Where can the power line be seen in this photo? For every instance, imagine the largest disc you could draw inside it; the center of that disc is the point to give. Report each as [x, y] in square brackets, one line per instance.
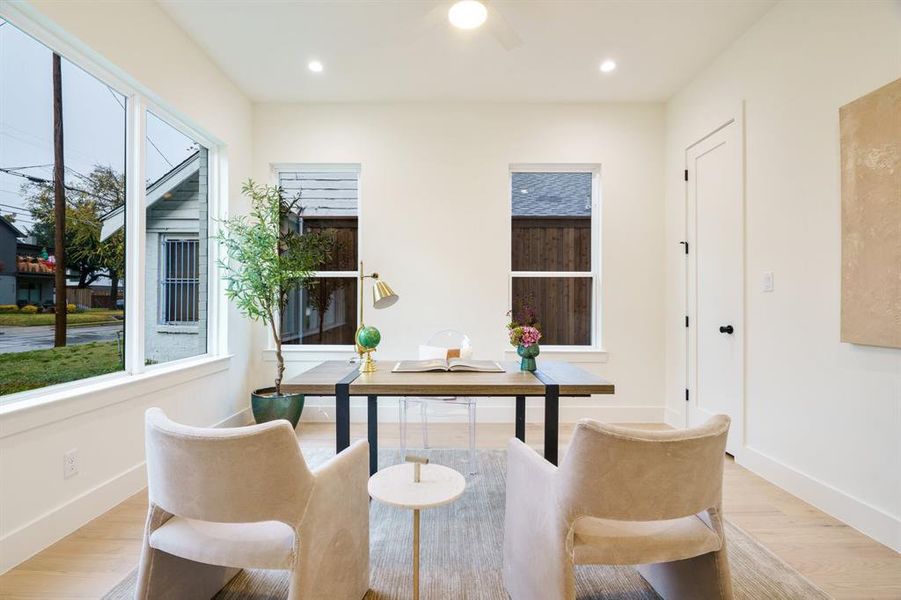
[30, 167]
[39, 180]
[149, 139]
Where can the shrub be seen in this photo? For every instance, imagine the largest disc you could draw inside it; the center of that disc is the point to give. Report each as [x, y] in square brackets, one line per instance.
[9, 308]
[29, 309]
[70, 308]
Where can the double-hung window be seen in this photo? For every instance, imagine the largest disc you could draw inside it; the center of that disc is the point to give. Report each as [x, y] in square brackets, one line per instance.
[555, 253]
[323, 310]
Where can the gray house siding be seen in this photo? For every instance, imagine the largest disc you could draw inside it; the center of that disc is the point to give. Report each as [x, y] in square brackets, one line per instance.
[8, 236]
[181, 214]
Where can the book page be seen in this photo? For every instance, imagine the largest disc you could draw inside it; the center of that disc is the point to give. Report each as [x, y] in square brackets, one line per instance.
[420, 366]
[481, 366]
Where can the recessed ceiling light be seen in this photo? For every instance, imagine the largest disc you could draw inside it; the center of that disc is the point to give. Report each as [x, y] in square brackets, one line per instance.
[608, 65]
[315, 66]
[467, 14]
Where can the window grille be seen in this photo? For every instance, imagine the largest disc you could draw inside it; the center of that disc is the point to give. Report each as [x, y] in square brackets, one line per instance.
[180, 283]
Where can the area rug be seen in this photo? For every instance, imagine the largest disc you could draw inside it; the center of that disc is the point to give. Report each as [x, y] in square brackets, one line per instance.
[461, 551]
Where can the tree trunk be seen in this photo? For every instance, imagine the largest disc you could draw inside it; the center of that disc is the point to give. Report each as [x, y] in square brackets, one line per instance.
[322, 309]
[279, 359]
[113, 287]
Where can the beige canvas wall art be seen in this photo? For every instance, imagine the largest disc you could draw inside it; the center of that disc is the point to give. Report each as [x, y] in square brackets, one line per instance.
[871, 218]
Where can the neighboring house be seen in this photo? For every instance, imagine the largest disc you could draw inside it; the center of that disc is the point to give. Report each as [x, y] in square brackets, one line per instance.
[175, 268]
[23, 277]
[34, 277]
[9, 235]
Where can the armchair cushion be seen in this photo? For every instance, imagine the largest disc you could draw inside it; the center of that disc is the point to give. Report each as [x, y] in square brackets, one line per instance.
[265, 545]
[610, 542]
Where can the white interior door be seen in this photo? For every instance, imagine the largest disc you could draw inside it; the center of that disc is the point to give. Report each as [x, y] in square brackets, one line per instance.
[715, 217]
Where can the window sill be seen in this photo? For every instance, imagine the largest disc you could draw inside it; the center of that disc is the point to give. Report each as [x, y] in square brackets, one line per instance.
[35, 408]
[177, 329]
[312, 353]
[573, 355]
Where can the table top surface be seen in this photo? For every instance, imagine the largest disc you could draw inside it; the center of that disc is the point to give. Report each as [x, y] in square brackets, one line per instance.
[395, 486]
[572, 381]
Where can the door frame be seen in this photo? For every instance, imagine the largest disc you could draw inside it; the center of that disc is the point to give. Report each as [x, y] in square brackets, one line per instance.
[690, 290]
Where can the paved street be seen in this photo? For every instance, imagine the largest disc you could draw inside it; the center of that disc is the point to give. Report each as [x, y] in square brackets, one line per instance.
[22, 339]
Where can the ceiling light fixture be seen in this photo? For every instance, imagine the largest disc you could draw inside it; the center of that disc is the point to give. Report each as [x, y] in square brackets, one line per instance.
[608, 66]
[315, 66]
[467, 14]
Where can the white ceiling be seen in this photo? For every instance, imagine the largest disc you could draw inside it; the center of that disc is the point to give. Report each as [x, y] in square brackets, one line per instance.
[406, 50]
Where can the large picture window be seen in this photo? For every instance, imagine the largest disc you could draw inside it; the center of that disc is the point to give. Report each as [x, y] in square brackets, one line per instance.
[554, 255]
[38, 345]
[323, 311]
[81, 184]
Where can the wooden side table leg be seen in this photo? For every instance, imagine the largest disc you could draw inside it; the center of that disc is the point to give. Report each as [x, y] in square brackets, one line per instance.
[415, 554]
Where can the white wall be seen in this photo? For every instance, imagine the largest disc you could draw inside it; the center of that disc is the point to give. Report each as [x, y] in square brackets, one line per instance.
[823, 418]
[37, 506]
[435, 214]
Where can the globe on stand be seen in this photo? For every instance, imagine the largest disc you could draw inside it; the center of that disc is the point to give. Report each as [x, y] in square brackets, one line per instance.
[367, 339]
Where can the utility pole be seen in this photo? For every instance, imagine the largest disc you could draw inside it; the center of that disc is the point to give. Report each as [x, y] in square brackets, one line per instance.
[59, 206]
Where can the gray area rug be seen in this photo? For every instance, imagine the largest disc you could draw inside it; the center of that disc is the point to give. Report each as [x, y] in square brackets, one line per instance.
[461, 551]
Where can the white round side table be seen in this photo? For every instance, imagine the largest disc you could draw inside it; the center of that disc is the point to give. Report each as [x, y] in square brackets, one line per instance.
[437, 485]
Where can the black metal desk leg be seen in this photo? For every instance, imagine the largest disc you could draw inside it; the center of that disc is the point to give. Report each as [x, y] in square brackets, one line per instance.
[372, 420]
[342, 417]
[551, 421]
[521, 418]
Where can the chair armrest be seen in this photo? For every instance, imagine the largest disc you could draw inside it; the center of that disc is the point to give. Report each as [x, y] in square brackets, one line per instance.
[531, 496]
[534, 527]
[346, 463]
[334, 532]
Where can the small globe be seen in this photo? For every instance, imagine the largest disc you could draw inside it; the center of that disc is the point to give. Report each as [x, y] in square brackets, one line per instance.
[369, 337]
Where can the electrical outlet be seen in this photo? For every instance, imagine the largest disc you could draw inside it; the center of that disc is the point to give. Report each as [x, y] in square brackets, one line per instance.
[768, 283]
[70, 464]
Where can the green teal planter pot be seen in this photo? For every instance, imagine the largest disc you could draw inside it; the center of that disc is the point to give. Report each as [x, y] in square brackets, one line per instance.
[266, 406]
[528, 354]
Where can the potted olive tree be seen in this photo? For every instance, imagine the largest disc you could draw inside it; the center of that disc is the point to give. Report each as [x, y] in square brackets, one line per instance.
[266, 260]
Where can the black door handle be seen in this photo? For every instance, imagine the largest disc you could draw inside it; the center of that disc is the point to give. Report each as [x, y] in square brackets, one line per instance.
[727, 329]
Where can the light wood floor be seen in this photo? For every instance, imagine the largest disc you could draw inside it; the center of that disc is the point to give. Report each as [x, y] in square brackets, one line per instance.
[837, 558]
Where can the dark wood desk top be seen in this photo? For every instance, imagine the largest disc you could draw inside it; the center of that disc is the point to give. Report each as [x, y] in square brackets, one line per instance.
[573, 381]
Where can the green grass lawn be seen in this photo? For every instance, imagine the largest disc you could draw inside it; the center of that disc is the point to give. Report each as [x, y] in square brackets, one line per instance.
[89, 317]
[20, 371]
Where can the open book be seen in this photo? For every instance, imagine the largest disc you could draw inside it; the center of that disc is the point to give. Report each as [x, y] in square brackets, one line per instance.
[449, 365]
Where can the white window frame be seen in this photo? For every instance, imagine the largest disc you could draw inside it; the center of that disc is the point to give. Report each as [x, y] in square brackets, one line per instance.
[327, 350]
[596, 345]
[139, 99]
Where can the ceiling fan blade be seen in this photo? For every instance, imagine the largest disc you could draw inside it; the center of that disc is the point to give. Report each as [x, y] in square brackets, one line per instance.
[501, 29]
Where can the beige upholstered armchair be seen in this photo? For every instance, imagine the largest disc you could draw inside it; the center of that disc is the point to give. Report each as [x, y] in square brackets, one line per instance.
[621, 497]
[226, 499]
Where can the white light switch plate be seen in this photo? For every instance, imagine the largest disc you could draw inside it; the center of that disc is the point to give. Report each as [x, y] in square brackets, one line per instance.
[767, 284]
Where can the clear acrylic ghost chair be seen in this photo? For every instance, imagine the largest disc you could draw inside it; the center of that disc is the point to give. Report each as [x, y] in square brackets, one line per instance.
[448, 339]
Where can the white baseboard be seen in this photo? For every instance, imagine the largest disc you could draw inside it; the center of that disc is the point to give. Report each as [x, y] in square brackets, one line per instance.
[389, 413]
[24, 542]
[29, 539]
[869, 520]
[673, 418]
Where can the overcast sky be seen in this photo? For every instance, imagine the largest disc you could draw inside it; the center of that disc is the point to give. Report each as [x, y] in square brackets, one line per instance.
[93, 121]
